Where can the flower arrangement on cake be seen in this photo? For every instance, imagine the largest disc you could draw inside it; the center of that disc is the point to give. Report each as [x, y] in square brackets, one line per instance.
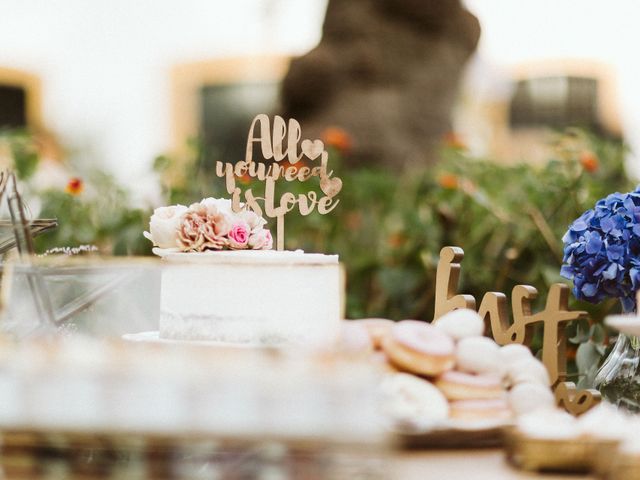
[210, 224]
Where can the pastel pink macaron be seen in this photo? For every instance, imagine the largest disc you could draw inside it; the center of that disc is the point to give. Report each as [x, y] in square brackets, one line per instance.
[419, 348]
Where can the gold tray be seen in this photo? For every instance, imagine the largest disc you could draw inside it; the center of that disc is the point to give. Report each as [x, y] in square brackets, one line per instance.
[567, 455]
[624, 467]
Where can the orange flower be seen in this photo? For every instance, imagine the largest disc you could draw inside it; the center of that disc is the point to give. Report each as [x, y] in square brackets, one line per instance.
[396, 240]
[286, 164]
[453, 140]
[448, 181]
[75, 186]
[589, 161]
[354, 220]
[338, 138]
[245, 179]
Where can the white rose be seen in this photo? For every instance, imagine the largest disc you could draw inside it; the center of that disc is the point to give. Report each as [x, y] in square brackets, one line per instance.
[255, 221]
[164, 224]
[261, 240]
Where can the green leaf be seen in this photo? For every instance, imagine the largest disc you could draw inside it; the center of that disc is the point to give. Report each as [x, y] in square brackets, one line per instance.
[587, 356]
[583, 332]
[598, 334]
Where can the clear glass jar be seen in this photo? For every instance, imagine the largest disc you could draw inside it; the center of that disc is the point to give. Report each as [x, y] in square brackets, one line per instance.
[618, 379]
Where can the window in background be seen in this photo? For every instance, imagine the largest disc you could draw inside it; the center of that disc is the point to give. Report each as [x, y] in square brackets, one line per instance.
[13, 107]
[214, 101]
[514, 114]
[19, 99]
[226, 113]
[556, 102]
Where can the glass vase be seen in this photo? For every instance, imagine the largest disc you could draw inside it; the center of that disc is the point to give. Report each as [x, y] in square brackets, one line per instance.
[618, 379]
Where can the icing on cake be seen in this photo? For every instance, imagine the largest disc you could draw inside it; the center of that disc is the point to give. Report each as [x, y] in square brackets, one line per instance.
[222, 281]
[249, 296]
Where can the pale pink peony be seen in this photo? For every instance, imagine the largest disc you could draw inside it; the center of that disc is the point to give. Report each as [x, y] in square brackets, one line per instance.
[239, 236]
[261, 240]
[203, 229]
[164, 224]
[218, 213]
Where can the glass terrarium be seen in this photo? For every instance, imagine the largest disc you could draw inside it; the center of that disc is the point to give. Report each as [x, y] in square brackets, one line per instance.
[100, 296]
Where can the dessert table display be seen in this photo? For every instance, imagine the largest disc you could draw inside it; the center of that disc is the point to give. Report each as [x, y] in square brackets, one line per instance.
[226, 359]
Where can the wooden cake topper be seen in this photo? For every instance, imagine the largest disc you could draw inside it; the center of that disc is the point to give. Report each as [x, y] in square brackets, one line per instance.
[493, 309]
[268, 169]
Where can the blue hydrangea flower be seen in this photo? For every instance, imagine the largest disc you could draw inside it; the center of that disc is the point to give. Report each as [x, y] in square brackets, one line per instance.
[602, 250]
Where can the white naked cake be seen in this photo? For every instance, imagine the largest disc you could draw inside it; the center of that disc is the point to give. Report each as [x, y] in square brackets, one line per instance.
[256, 297]
[222, 281]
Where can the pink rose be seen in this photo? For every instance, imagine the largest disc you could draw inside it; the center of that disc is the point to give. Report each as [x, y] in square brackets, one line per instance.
[239, 236]
[261, 240]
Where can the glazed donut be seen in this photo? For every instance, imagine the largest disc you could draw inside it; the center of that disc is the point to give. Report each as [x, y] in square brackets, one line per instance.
[419, 347]
[471, 410]
[377, 328]
[526, 371]
[461, 323]
[380, 359]
[527, 397]
[412, 402]
[465, 386]
[479, 355]
[513, 352]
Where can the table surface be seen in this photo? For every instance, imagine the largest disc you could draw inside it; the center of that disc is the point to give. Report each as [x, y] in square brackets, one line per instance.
[483, 464]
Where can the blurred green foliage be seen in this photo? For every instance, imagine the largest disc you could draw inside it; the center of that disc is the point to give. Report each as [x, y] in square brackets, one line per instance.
[389, 228]
[91, 208]
[102, 217]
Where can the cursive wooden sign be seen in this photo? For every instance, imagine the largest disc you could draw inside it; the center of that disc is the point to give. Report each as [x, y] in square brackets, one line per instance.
[493, 308]
[278, 142]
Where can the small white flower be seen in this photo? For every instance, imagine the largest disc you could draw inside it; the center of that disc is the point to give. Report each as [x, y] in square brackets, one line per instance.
[164, 224]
